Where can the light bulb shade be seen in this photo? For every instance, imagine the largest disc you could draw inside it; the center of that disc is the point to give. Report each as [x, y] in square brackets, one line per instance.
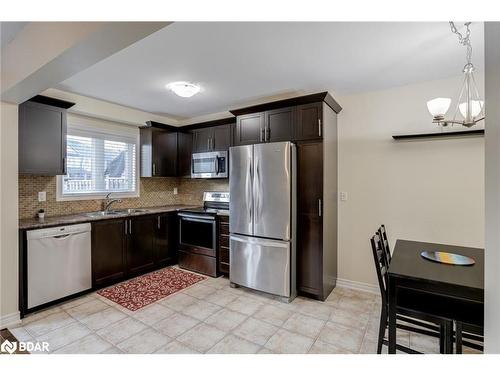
[184, 89]
[439, 106]
[475, 109]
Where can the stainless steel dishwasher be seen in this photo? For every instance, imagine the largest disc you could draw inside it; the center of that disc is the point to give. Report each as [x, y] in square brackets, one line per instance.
[59, 263]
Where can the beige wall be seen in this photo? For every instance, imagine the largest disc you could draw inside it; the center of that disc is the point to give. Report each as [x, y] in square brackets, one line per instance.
[431, 190]
[8, 214]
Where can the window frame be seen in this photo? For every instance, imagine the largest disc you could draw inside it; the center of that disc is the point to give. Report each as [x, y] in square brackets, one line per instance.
[81, 127]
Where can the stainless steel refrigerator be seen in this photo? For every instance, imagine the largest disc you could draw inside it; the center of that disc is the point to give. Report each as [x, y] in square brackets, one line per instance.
[262, 182]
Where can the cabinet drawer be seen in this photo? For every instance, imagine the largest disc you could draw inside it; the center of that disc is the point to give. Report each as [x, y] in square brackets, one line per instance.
[224, 241]
[224, 219]
[224, 228]
[198, 263]
[224, 268]
[224, 254]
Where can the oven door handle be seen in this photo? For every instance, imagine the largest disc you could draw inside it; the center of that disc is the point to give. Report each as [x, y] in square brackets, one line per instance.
[199, 218]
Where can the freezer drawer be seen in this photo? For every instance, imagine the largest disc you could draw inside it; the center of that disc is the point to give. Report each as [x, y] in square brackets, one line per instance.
[261, 264]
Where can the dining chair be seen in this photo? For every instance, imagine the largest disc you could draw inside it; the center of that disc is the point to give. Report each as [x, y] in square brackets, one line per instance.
[464, 333]
[382, 232]
[420, 323]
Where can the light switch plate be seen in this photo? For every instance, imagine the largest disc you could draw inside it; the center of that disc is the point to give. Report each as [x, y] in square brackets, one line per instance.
[343, 196]
[176, 191]
[42, 196]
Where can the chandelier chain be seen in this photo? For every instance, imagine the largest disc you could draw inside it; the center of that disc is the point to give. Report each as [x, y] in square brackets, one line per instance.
[464, 40]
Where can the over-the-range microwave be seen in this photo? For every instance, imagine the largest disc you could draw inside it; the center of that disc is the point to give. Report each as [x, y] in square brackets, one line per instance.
[209, 165]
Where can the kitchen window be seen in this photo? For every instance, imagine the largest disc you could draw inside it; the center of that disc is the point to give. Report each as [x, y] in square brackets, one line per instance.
[100, 160]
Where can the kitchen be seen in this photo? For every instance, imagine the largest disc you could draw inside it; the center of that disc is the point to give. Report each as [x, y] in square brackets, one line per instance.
[238, 227]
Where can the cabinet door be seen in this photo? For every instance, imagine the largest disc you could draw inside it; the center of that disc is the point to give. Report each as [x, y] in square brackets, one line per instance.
[140, 243]
[309, 219]
[42, 139]
[202, 140]
[221, 138]
[164, 154]
[279, 124]
[250, 129]
[166, 240]
[184, 148]
[309, 121]
[108, 252]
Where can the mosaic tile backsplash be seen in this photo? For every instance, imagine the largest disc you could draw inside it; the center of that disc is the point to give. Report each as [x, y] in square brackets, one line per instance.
[153, 192]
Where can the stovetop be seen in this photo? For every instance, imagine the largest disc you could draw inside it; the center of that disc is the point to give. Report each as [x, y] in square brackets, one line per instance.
[206, 210]
[214, 203]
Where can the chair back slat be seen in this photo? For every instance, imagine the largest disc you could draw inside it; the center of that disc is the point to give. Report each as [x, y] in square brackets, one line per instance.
[382, 232]
[381, 266]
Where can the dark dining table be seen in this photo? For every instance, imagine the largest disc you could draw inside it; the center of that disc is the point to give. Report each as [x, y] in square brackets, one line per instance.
[451, 292]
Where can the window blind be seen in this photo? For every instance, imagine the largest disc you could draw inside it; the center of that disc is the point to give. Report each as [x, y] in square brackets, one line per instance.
[99, 163]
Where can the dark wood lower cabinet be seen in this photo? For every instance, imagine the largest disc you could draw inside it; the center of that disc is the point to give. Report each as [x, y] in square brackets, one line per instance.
[108, 252]
[140, 244]
[123, 248]
[309, 219]
[223, 265]
[165, 246]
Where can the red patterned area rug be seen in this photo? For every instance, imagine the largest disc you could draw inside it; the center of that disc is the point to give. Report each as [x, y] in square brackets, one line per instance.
[144, 290]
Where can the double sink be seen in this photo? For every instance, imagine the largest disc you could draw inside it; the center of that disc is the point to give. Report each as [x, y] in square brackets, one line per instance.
[124, 212]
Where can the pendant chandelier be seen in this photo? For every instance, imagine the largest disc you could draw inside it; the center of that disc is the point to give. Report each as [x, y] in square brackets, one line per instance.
[469, 104]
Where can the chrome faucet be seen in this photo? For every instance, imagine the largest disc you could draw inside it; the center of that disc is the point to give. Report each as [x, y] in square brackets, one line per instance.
[108, 202]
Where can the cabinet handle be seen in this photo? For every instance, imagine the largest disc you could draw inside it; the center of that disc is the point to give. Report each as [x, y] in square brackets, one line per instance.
[158, 222]
[126, 232]
[130, 227]
[320, 210]
[154, 169]
[319, 127]
[208, 144]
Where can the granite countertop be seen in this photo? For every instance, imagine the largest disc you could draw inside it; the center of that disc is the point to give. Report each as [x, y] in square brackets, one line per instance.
[52, 221]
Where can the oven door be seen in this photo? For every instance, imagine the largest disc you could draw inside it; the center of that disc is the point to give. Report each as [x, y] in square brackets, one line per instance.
[209, 165]
[197, 233]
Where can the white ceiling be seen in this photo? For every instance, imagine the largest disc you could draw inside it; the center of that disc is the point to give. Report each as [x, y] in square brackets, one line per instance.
[238, 63]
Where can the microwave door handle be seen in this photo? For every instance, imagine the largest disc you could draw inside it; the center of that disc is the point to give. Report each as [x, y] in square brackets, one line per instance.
[216, 161]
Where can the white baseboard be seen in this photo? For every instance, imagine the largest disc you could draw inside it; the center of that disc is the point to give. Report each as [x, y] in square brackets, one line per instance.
[357, 285]
[10, 320]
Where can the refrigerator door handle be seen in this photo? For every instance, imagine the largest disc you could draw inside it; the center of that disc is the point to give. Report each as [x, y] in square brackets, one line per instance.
[248, 190]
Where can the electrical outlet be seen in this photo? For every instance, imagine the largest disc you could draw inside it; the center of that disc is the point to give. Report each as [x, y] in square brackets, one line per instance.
[343, 196]
[42, 196]
[176, 191]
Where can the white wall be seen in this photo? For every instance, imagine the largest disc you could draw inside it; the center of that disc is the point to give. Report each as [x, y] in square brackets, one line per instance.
[8, 216]
[430, 190]
[492, 261]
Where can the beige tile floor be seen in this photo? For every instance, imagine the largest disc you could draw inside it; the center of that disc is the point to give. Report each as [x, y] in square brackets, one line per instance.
[212, 317]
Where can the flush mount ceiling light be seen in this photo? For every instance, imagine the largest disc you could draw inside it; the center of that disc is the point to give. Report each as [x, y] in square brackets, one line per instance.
[469, 104]
[184, 89]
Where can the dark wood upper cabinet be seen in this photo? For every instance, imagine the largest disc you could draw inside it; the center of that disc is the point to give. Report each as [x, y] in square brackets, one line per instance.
[309, 219]
[165, 245]
[140, 243]
[221, 138]
[249, 129]
[42, 139]
[108, 252]
[309, 121]
[202, 140]
[184, 151]
[279, 124]
[215, 138]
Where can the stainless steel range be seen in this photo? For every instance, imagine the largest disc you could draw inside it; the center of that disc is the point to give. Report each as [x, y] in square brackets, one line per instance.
[198, 233]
